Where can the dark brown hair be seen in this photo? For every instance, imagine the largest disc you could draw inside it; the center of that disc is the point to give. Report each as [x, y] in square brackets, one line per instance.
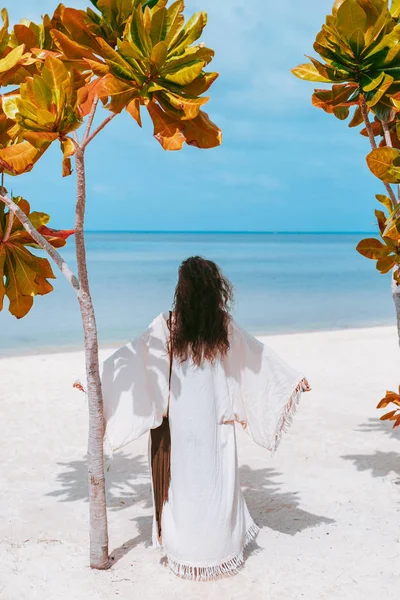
[203, 298]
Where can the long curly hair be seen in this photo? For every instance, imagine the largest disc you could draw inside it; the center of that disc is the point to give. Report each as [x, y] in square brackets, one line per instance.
[203, 298]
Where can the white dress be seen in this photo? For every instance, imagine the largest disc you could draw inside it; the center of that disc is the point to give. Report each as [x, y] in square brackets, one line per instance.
[205, 523]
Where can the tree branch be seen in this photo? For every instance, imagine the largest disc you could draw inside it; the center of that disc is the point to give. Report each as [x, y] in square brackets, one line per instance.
[386, 133]
[87, 141]
[42, 242]
[9, 227]
[388, 141]
[364, 112]
[90, 119]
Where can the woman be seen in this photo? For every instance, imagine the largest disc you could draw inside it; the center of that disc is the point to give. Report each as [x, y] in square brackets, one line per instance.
[187, 379]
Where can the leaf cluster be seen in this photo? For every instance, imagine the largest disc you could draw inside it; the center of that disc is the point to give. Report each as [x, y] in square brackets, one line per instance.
[24, 275]
[393, 415]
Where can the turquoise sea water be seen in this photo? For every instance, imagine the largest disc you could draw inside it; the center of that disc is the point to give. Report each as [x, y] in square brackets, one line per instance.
[283, 283]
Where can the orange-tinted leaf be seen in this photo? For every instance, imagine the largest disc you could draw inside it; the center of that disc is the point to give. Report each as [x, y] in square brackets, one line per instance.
[133, 109]
[388, 415]
[22, 274]
[202, 132]
[373, 248]
[19, 158]
[167, 131]
[385, 264]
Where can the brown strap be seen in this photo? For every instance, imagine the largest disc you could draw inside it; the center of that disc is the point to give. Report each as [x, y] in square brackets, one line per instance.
[170, 358]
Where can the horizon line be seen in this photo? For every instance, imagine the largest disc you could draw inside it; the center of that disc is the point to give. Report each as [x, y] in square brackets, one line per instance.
[227, 232]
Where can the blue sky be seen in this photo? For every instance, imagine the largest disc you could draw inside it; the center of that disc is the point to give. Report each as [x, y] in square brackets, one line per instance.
[283, 165]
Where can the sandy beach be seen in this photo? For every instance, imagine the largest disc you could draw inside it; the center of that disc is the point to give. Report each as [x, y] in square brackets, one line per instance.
[327, 503]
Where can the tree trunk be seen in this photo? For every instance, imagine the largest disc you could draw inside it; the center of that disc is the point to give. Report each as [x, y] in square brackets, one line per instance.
[396, 299]
[395, 201]
[97, 492]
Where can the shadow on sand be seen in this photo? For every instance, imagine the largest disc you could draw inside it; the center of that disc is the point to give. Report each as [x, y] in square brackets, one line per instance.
[128, 483]
[376, 425]
[380, 464]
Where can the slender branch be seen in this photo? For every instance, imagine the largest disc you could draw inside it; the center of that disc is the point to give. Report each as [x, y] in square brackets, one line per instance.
[368, 126]
[90, 118]
[386, 132]
[388, 140]
[42, 242]
[9, 227]
[97, 131]
[364, 112]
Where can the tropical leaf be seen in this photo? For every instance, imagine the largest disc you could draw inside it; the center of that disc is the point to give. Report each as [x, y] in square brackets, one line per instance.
[20, 158]
[381, 160]
[385, 201]
[373, 249]
[309, 73]
[167, 130]
[201, 132]
[22, 274]
[12, 59]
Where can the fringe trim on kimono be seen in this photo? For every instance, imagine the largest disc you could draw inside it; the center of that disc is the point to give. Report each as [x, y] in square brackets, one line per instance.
[289, 411]
[230, 566]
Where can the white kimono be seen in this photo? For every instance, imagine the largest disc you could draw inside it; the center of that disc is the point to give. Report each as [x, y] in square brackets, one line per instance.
[205, 523]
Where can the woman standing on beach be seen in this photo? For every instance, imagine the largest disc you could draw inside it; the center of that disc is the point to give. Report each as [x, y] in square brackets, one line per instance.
[186, 380]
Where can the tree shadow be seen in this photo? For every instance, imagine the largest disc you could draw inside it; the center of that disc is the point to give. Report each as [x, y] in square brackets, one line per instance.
[272, 508]
[374, 425]
[128, 483]
[123, 489]
[380, 464]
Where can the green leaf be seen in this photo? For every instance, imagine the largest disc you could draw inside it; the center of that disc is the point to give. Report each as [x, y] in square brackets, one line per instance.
[380, 90]
[357, 42]
[189, 34]
[370, 83]
[372, 248]
[185, 74]
[140, 36]
[159, 26]
[388, 41]
[175, 21]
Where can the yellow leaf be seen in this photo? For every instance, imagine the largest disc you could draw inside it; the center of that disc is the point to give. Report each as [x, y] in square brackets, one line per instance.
[12, 59]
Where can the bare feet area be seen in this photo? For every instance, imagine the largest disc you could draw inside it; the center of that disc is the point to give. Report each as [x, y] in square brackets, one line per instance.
[327, 503]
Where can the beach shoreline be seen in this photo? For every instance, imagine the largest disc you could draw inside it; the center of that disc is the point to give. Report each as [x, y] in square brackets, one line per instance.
[113, 345]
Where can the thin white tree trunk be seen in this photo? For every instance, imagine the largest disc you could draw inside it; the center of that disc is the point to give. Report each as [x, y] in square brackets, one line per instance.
[97, 492]
[392, 196]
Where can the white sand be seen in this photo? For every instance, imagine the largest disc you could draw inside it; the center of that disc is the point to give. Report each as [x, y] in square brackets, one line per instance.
[328, 503]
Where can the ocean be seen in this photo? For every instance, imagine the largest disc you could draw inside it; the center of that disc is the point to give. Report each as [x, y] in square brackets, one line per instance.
[283, 283]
